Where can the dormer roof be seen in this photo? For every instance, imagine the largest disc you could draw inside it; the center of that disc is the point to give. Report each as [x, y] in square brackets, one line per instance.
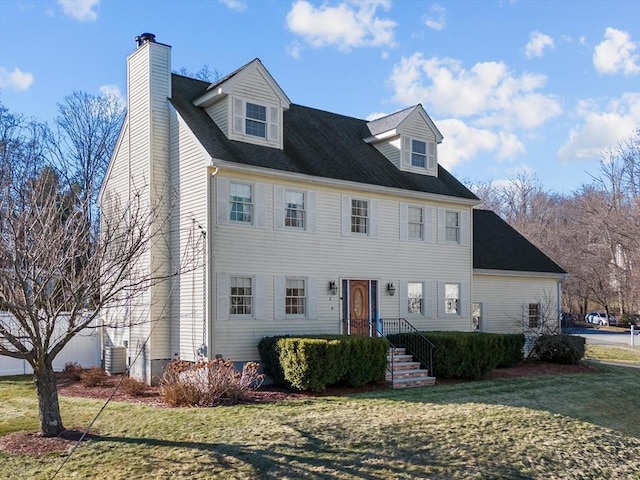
[391, 125]
[226, 84]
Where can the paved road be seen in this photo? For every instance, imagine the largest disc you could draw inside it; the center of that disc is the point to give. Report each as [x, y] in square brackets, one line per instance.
[596, 336]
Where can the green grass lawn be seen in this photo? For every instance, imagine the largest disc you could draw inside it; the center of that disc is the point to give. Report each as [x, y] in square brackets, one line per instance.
[613, 354]
[581, 426]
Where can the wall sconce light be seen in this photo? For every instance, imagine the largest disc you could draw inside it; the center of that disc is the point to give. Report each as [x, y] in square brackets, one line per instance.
[391, 289]
[333, 287]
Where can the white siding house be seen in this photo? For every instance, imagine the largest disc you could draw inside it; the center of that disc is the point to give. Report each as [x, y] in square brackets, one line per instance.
[305, 221]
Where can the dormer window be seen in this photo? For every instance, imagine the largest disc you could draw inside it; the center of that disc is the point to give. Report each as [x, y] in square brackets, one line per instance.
[418, 153]
[256, 120]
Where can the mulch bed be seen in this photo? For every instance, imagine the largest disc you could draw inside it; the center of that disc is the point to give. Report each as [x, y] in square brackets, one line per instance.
[30, 443]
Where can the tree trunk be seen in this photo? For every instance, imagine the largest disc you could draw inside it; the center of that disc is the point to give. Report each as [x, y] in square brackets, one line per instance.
[48, 406]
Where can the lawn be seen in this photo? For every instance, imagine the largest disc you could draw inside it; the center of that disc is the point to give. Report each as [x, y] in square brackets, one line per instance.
[583, 426]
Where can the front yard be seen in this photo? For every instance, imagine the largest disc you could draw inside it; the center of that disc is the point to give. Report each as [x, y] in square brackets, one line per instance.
[584, 425]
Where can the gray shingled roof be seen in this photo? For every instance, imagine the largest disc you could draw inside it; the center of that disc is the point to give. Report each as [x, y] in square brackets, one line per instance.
[389, 122]
[498, 246]
[316, 143]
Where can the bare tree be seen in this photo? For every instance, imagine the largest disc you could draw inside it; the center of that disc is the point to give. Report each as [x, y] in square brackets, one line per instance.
[57, 272]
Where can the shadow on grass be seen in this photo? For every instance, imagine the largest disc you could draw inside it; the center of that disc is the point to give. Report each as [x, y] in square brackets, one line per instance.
[313, 458]
[607, 397]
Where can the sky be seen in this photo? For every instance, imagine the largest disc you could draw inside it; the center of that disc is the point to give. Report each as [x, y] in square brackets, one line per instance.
[545, 88]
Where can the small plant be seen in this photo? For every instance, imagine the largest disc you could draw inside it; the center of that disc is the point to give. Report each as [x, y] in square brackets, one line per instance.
[559, 349]
[73, 370]
[133, 387]
[207, 383]
[93, 377]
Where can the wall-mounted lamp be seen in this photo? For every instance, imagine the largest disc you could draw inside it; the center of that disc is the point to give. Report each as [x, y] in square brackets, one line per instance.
[333, 287]
[391, 289]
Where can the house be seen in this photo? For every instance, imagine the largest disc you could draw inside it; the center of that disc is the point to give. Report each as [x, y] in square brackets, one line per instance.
[307, 221]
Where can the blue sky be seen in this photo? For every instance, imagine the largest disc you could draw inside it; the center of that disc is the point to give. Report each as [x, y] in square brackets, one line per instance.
[538, 86]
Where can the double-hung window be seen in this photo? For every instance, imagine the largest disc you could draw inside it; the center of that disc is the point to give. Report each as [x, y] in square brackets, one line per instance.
[415, 219]
[415, 298]
[241, 296]
[359, 216]
[295, 296]
[452, 298]
[256, 120]
[418, 153]
[294, 209]
[452, 226]
[241, 200]
[534, 315]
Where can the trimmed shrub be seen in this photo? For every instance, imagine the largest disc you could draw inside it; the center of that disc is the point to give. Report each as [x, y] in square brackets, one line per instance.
[567, 349]
[512, 350]
[312, 363]
[207, 383]
[93, 377]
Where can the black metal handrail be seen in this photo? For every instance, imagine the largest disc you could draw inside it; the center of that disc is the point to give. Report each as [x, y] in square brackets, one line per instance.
[400, 333]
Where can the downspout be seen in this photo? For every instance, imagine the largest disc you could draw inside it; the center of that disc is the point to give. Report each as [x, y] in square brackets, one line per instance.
[212, 171]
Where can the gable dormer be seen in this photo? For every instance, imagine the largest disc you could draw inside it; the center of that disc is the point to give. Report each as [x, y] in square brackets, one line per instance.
[247, 105]
[408, 138]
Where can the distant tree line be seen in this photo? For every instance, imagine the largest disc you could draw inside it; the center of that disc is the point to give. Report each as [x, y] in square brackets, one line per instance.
[593, 232]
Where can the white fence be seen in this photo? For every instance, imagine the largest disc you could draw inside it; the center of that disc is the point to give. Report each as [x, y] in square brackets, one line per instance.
[84, 349]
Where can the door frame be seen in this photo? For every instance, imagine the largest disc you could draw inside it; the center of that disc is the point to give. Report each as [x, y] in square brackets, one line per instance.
[373, 302]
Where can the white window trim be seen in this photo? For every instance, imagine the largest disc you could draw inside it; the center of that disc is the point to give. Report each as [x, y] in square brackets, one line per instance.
[464, 227]
[223, 297]
[462, 305]
[223, 200]
[372, 230]
[239, 117]
[280, 209]
[427, 302]
[311, 297]
[428, 216]
[431, 157]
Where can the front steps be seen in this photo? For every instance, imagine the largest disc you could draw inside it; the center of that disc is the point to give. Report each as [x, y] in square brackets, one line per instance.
[406, 372]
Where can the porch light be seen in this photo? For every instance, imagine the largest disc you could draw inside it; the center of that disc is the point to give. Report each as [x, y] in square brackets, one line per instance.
[333, 287]
[391, 289]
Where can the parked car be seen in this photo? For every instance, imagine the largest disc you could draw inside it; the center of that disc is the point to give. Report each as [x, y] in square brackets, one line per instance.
[600, 318]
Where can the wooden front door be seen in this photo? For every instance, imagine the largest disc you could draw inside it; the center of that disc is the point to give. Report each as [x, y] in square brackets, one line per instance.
[359, 311]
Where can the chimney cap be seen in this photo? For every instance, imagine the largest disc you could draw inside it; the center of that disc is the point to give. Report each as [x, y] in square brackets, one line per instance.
[145, 38]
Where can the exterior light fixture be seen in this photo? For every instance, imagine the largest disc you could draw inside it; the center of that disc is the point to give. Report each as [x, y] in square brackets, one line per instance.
[391, 289]
[333, 286]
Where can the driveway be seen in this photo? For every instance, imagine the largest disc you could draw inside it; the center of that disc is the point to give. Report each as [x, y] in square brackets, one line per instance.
[596, 336]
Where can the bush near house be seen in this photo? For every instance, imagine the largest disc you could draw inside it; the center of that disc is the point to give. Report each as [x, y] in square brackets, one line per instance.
[313, 363]
[471, 355]
[559, 349]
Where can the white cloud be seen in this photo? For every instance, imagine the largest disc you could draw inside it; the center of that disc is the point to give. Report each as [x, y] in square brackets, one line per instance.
[538, 42]
[616, 53]
[464, 142]
[489, 91]
[601, 130]
[436, 19]
[81, 10]
[237, 5]
[116, 93]
[16, 80]
[349, 24]
[375, 115]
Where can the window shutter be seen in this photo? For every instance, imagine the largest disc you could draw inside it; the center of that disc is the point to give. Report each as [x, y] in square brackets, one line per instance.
[464, 227]
[346, 215]
[274, 125]
[429, 221]
[222, 197]
[279, 294]
[428, 299]
[463, 305]
[238, 116]
[404, 222]
[222, 296]
[259, 298]
[311, 209]
[441, 301]
[312, 297]
[406, 150]
[278, 207]
[441, 225]
[432, 156]
[373, 216]
[404, 298]
[260, 204]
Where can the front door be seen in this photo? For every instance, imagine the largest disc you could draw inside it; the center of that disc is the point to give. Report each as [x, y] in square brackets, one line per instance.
[359, 315]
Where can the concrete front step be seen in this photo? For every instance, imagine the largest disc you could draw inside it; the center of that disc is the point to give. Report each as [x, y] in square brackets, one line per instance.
[411, 382]
[418, 372]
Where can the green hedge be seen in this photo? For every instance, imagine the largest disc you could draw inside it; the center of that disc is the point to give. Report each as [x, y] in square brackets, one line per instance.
[312, 363]
[566, 349]
[469, 355]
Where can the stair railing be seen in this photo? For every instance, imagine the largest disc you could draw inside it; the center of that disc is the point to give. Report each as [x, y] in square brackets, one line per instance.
[404, 335]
